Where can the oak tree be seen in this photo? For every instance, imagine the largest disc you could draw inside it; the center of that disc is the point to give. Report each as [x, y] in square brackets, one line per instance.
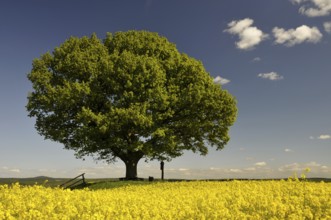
[130, 96]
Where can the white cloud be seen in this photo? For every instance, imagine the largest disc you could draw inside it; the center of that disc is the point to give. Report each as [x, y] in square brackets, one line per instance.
[314, 8]
[249, 36]
[260, 164]
[297, 1]
[221, 81]
[321, 137]
[327, 27]
[324, 137]
[15, 170]
[271, 76]
[312, 164]
[316, 169]
[256, 59]
[293, 167]
[235, 170]
[250, 169]
[299, 35]
[183, 169]
[288, 150]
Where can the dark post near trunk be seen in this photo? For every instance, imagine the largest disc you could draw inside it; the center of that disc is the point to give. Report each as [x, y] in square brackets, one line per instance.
[162, 170]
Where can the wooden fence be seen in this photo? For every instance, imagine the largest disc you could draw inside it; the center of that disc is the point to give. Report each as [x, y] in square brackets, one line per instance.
[78, 181]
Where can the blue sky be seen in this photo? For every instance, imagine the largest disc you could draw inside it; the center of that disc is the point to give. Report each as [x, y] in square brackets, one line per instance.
[273, 56]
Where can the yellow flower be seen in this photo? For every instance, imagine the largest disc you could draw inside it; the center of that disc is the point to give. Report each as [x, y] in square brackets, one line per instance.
[180, 200]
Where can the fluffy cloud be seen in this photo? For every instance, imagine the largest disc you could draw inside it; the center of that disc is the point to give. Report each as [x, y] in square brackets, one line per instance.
[324, 137]
[10, 172]
[183, 169]
[260, 164]
[315, 168]
[321, 137]
[15, 170]
[221, 81]
[327, 27]
[294, 167]
[314, 8]
[235, 170]
[250, 169]
[249, 36]
[299, 35]
[270, 76]
[256, 59]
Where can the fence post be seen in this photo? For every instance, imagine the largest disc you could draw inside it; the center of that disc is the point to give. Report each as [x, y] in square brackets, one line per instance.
[73, 182]
[162, 170]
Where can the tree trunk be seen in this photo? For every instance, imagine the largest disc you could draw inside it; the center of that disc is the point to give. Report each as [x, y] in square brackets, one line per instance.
[131, 168]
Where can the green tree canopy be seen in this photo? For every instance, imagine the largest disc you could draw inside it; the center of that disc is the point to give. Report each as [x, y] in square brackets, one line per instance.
[129, 96]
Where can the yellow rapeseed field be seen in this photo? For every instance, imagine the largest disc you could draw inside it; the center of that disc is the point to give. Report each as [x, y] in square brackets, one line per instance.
[180, 200]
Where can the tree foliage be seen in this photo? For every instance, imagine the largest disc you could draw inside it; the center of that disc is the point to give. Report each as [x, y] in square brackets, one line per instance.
[129, 96]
